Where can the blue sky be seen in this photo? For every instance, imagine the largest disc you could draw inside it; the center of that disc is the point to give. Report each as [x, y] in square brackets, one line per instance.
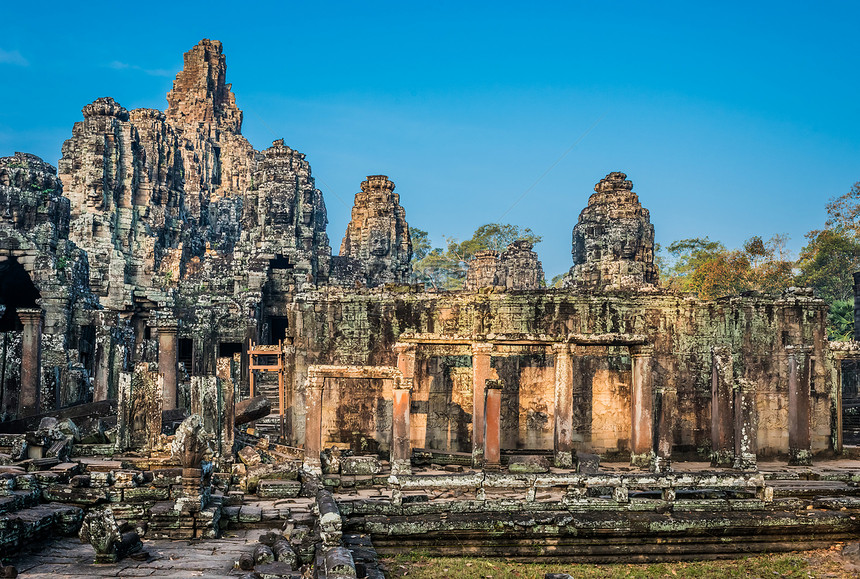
[731, 119]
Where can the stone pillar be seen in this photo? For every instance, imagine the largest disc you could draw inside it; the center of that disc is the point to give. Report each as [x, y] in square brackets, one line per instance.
[563, 437]
[857, 306]
[31, 361]
[641, 432]
[837, 435]
[722, 407]
[227, 398]
[102, 352]
[313, 424]
[167, 362]
[746, 426]
[665, 406]
[493, 425]
[401, 444]
[799, 452]
[480, 374]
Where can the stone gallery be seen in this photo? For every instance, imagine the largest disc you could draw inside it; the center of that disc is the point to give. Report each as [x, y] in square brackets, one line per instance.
[183, 356]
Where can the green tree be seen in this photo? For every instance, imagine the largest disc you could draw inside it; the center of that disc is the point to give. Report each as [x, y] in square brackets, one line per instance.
[832, 254]
[710, 270]
[420, 243]
[840, 320]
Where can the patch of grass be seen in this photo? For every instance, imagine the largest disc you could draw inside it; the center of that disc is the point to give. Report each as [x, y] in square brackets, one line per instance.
[421, 566]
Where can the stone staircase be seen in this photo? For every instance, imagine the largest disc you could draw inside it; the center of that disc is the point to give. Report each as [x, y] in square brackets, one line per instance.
[23, 519]
[267, 385]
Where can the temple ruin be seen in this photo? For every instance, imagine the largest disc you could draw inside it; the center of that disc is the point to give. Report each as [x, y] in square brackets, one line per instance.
[179, 346]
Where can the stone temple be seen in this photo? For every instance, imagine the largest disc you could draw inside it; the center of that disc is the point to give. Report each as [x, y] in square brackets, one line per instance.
[182, 355]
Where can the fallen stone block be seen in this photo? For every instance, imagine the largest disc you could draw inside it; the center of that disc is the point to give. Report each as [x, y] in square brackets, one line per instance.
[278, 489]
[528, 464]
[275, 570]
[250, 456]
[249, 514]
[360, 465]
[252, 409]
[587, 463]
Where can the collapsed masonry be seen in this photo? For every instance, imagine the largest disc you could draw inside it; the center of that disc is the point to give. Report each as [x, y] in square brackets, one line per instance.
[168, 249]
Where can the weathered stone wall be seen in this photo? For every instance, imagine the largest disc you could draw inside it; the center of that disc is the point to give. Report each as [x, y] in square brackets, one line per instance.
[343, 327]
[41, 269]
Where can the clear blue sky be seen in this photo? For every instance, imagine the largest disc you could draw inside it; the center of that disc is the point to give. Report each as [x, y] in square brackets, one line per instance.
[732, 119]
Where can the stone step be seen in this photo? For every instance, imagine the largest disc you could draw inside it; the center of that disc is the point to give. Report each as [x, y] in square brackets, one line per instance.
[27, 524]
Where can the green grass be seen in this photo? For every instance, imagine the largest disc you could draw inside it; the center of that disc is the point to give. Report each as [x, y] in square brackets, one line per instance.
[421, 566]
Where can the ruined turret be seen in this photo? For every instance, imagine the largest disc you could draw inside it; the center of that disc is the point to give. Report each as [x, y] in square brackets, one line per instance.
[200, 93]
[376, 247]
[516, 268]
[285, 216]
[613, 242]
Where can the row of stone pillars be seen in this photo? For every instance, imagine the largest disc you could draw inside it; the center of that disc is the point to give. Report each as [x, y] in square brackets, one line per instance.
[652, 411]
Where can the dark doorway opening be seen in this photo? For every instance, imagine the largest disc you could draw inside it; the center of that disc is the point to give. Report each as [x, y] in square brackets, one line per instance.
[227, 349]
[278, 326]
[185, 354]
[16, 291]
[851, 402]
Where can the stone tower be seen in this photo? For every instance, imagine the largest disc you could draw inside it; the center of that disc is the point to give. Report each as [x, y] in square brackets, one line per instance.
[613, 242]
[516, 268]
[377, 240]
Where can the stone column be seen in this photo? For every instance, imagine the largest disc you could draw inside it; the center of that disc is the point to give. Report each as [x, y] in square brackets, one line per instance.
[480, 374]
[401, 444]
[563, 437]
[31, 360]
[167, 362]
[799, 452]
[104, 322]
[641, 432]
[838, 357]
[493, 425]
[313, 424]
[665, 406]
[227, 397]
[746, 426]
[722, 407]
[857, 306]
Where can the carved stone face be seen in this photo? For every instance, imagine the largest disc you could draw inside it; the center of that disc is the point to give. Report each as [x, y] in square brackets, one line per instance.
[379, 243]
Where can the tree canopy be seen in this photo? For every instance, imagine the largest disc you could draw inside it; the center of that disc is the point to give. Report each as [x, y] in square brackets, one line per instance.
[708, 269]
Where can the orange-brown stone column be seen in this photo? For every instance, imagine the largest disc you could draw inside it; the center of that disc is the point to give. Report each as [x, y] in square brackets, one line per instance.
[722, 407]
[493, 425]
[167, 363]
[313, 424]
[799, 452]
[401, 445]
[31, 361]
[480, 374]
[563, 437]
[642, 427]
